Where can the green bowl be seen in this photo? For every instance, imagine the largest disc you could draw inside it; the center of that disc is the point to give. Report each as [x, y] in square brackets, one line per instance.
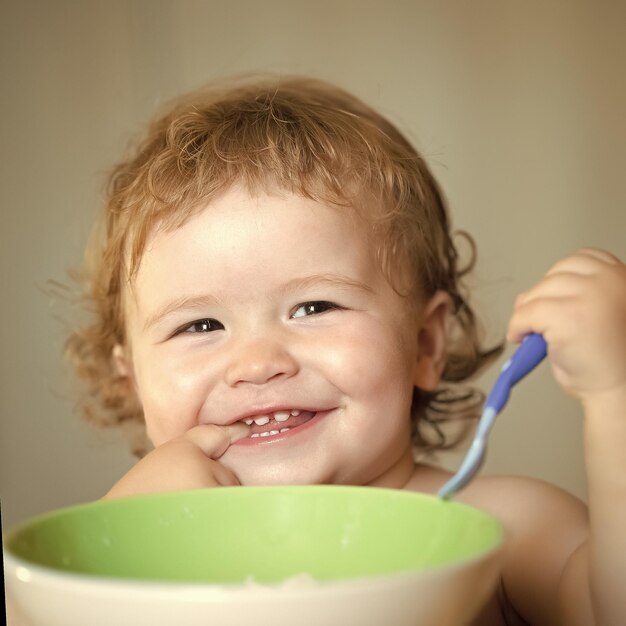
[255, 555]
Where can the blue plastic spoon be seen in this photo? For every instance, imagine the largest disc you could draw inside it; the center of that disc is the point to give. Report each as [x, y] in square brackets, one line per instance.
[531, 352]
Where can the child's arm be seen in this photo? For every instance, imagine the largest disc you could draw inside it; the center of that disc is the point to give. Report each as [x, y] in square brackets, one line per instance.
[187, 462]
[580, 308]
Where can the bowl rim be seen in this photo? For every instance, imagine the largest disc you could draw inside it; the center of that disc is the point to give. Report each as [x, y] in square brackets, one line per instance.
[102, 503]
[26, 571]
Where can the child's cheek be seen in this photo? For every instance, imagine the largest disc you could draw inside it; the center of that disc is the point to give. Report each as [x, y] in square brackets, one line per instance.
[172, 390]
[371, 355]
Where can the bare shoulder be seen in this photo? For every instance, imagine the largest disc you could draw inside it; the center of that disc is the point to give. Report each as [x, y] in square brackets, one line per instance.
[516, 500]
[541, 520]
[522, 500]
[544, 527]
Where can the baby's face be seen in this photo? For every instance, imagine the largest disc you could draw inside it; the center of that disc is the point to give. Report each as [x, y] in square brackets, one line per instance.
[274, 307]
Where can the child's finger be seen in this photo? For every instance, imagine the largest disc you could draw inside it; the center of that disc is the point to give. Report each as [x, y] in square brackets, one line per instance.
[214, 440]
[587, 261]
[601, 255]
[536, 316]
[223, 476]
[563, 284]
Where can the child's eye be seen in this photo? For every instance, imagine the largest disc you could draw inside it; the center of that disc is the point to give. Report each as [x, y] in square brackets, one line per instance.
[314, 308]
[203, 326]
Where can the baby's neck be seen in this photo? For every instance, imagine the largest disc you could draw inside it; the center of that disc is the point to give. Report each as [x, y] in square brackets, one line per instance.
[398, 475]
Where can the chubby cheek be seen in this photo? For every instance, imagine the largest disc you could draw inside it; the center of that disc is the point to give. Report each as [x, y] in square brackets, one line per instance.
[171, 392]
[372, 362]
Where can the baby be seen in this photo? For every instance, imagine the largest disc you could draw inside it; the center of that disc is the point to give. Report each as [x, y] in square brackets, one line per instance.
[277, 298]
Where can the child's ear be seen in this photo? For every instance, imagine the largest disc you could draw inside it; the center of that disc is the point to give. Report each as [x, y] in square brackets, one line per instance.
[122, 362]
[432, 342]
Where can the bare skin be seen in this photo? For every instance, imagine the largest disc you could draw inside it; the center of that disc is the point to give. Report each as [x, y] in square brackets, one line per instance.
[532, 559]
[262, 349]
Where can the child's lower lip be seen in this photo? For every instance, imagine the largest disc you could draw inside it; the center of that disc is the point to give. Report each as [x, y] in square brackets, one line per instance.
[292, 432]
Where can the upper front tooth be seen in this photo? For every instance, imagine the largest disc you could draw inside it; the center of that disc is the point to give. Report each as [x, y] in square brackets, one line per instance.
[282, 416]
[260, 421]
[248, 421]
[295, 412]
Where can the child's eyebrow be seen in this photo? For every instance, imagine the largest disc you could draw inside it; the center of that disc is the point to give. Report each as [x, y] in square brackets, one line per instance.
[292, 286]
[329, 280]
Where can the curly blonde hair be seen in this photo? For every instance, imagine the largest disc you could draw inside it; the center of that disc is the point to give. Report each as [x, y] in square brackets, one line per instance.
[295, 134]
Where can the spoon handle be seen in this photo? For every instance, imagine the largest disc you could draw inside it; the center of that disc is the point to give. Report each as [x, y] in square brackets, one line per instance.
[531, 352]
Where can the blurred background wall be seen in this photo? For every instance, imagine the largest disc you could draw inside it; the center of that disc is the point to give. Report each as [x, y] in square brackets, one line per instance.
[518, 107]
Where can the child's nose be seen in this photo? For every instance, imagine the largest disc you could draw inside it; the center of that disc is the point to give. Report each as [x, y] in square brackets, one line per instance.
[260, 361]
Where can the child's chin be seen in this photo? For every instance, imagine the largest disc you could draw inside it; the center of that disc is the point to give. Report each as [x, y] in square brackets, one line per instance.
[278, 467]
[256, 477]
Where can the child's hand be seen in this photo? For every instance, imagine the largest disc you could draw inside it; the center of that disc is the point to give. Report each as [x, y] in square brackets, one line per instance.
[187, 462]
[580, 308]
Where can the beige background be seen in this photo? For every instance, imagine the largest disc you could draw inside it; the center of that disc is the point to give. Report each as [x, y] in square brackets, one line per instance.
[519, 107]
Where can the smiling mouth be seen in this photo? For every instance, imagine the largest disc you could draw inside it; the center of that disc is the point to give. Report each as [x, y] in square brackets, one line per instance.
[277, 422]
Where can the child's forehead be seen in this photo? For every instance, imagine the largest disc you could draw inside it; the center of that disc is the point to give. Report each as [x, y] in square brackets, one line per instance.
[355, 209]
[240, 206]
